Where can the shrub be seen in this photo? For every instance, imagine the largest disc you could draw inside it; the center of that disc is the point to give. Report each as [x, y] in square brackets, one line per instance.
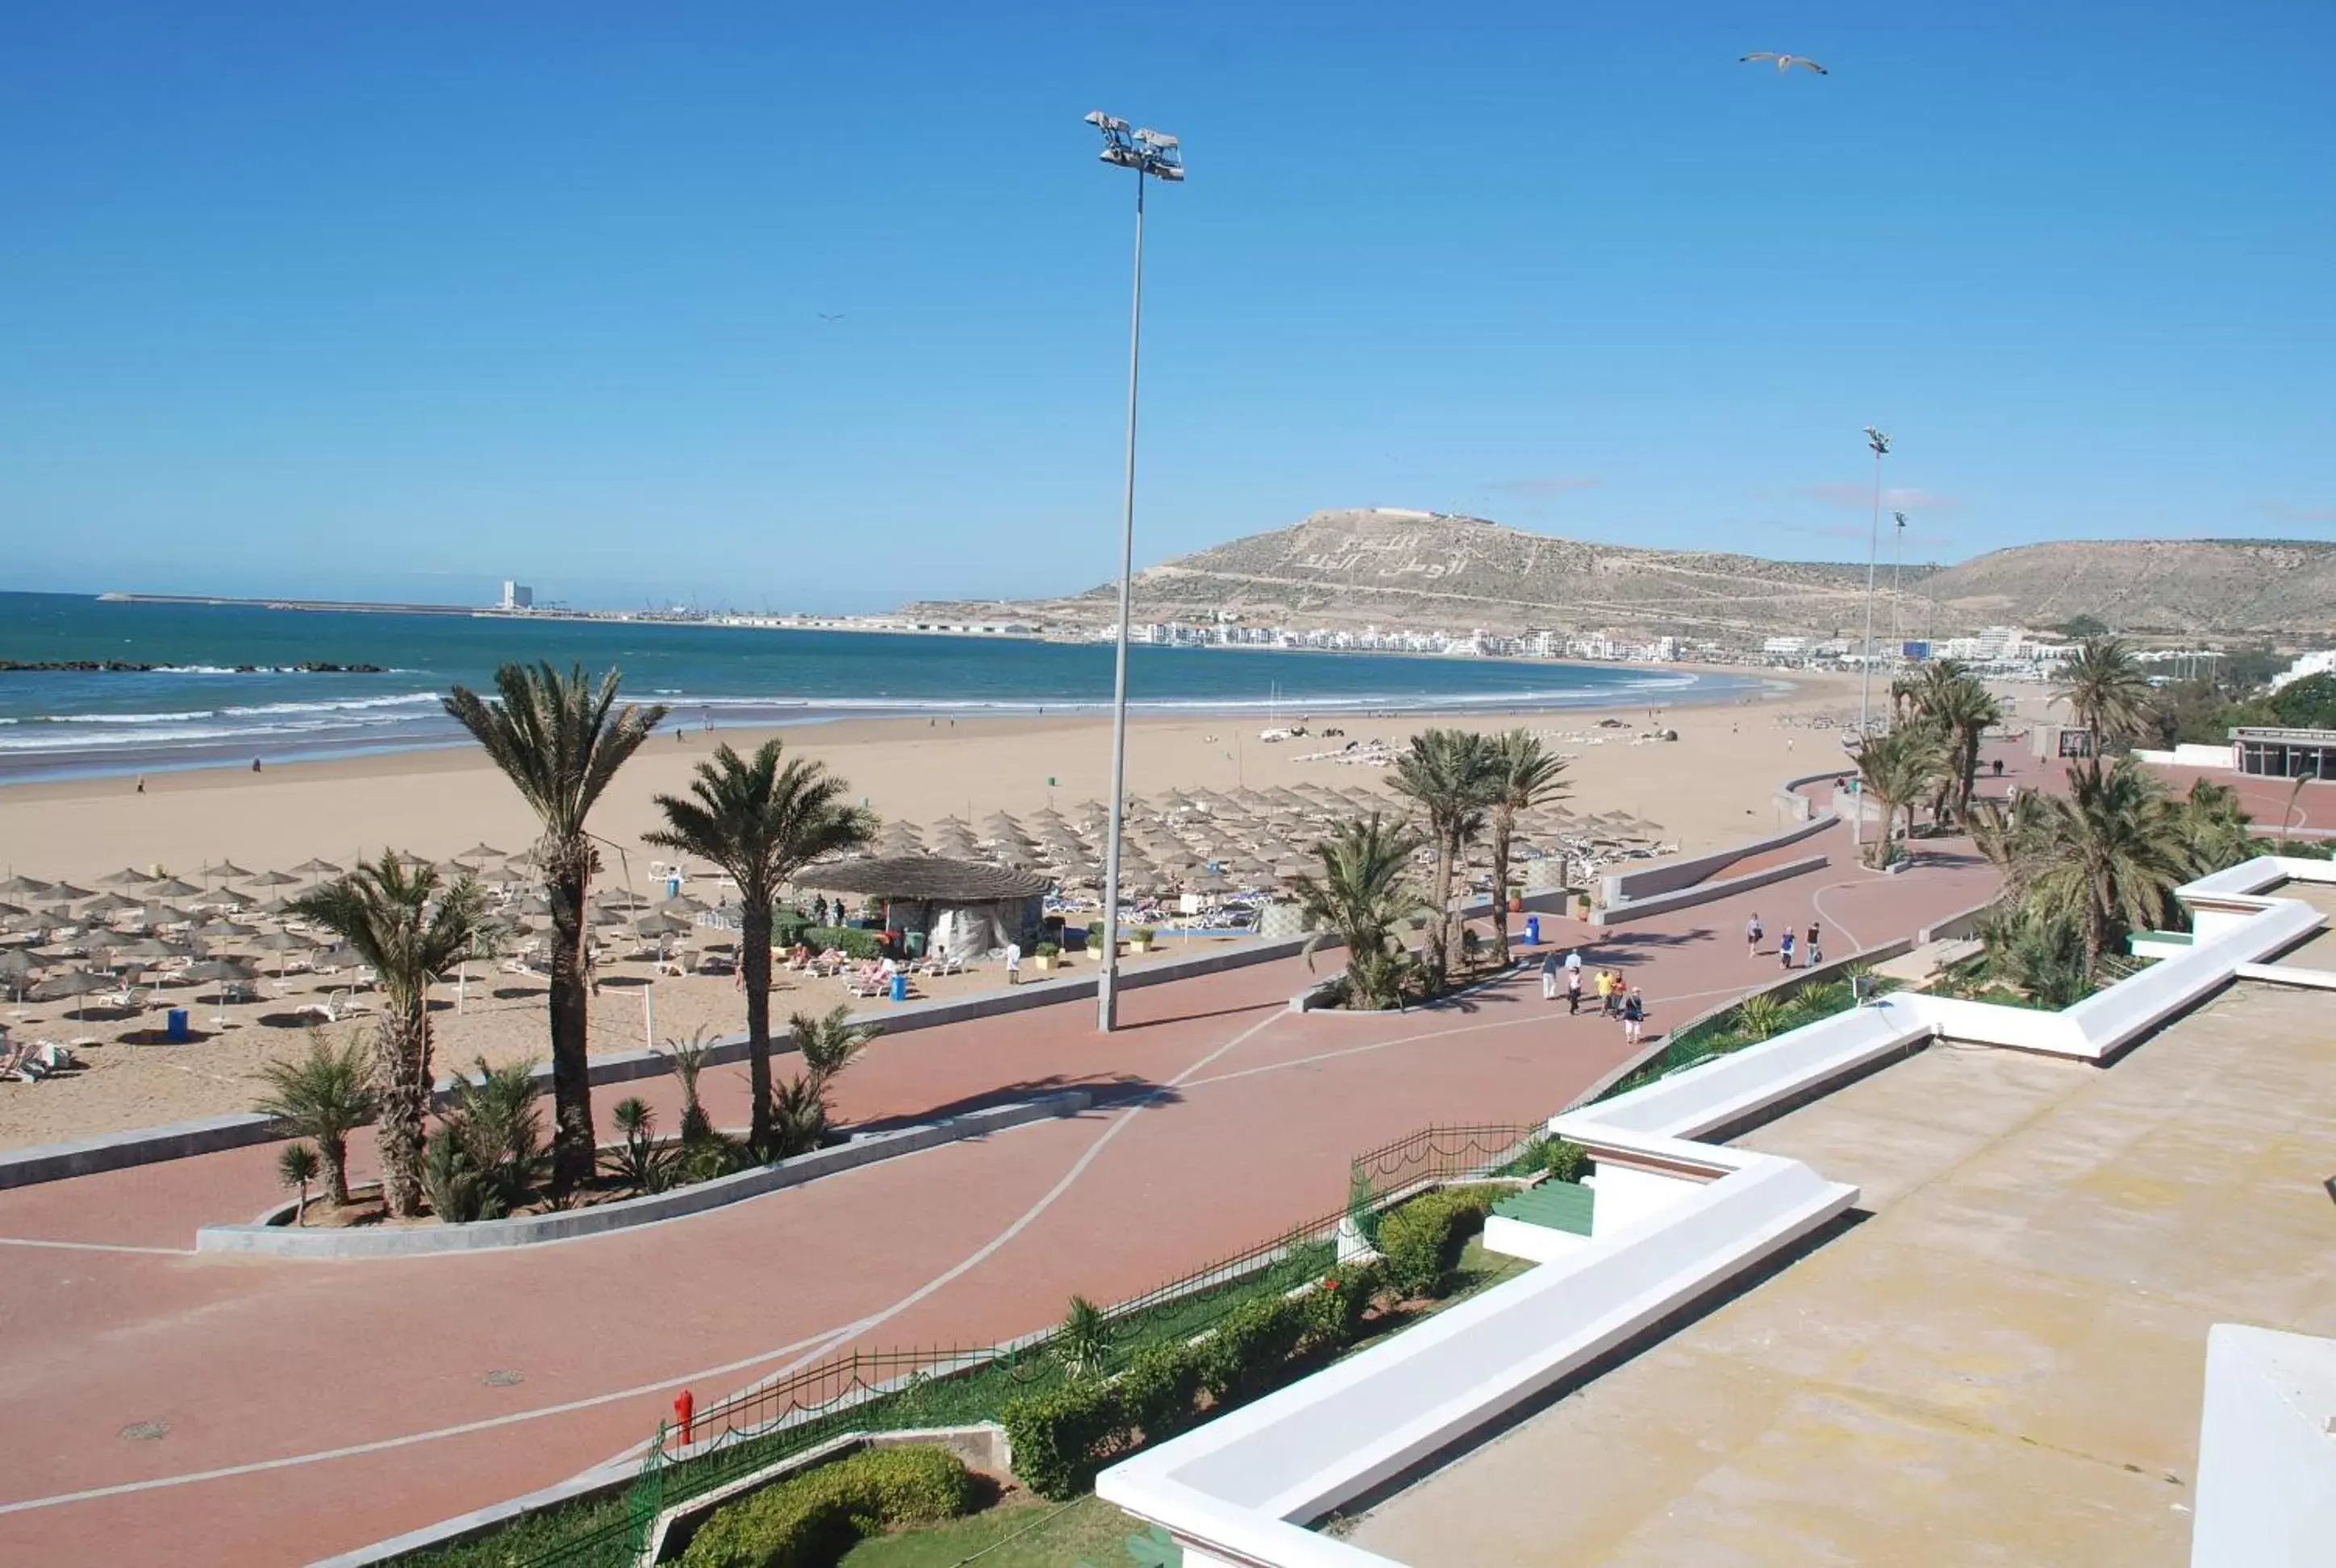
[1335, 1309]
[812, 1519]
[1158, 1391]
[1142, 934]
[1083, 1341]
[1421, 1240]
[850, 941]
[788, 928]
[1062, 1436]
[1564, 1162]
[1243, 1358]
[1046, 950]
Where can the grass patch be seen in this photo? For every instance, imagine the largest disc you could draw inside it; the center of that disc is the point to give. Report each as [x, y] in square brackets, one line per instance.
[1020, 1532]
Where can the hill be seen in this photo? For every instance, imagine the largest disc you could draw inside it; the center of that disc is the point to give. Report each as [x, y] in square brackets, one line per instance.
[1423, 570]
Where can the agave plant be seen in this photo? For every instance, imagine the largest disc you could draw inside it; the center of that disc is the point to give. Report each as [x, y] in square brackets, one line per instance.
[639, 1161]
[1759, 1017]
[1083, 1341]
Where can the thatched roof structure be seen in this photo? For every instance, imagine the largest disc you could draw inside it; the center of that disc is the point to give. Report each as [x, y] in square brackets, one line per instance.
[929, 877]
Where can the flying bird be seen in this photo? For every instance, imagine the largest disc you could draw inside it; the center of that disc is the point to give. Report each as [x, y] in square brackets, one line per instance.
[823, 316]
[1786, 62]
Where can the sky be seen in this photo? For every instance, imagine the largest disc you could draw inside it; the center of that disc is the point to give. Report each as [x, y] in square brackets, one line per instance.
[397, 301]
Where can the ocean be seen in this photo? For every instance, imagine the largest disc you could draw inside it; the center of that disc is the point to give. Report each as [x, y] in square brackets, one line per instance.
[228, 692]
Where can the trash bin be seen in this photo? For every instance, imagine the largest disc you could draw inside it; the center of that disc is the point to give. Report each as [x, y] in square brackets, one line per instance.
[177, 1029]
[1533, 931]
[913, 944]
[900, 988]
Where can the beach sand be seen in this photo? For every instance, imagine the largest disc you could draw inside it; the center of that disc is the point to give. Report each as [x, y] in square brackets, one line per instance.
[1713, 786]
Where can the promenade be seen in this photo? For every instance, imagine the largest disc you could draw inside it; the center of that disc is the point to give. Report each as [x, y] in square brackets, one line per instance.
[239, 1410]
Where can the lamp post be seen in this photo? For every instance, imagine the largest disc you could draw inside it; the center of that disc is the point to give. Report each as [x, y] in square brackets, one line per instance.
[1897, 588]
[1880, 445]
[1152, 156]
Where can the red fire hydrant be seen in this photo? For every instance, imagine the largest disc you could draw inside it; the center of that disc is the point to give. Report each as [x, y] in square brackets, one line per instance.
[684, 1409]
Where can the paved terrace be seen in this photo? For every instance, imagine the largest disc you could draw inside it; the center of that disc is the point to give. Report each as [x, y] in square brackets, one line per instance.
[314, 1407]
[2002, 1363]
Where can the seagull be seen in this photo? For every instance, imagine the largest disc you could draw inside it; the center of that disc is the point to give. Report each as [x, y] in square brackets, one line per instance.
[823, 316]
[1786, 62]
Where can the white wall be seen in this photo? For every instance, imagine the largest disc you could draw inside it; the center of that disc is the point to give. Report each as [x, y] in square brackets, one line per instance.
[1627, 1195]
[2266, 1492]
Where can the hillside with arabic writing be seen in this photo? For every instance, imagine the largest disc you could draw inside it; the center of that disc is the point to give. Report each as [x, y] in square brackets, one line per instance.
[1422, 571]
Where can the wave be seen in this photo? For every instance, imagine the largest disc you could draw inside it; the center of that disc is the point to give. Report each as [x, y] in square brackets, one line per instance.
[341, 705]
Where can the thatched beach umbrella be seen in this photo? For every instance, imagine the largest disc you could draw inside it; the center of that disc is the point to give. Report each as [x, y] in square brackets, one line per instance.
[663, 925]
[224, 871]
[66, 893]
[275, 880]
[21, 887]
[126, 877]
[72, 984]
[484, 850]
[313, 867]
[110, 904]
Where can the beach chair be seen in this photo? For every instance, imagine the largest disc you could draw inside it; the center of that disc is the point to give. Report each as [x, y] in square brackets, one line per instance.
[341, 1004]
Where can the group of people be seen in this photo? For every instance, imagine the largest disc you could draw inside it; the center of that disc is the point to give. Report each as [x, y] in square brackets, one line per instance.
[1812, 954]
[1616, 998]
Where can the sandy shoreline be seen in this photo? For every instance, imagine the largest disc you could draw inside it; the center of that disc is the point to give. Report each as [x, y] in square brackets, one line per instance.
[1713, 786]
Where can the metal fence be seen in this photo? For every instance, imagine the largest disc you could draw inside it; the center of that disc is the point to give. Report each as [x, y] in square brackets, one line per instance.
[886, 1390]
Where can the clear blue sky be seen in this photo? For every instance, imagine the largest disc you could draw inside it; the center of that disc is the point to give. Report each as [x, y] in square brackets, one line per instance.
[401, 299]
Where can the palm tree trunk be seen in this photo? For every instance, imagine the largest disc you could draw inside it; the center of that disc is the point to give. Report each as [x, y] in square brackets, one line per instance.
[755, 969]
[404, 1106]
[1503, 824]
[332, 1154]
[571, 1083]
[1440, 931]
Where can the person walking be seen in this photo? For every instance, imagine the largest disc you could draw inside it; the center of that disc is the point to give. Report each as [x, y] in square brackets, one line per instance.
[1549, 967]
[1605, 989]
[1573, 961]
[1752, 935]
[1785, 948]
[1573, 991]
[1816, 948]
[1634, 1015]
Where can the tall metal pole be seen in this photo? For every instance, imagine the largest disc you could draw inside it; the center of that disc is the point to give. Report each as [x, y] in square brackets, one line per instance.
[1108, 981]
[1880, 443]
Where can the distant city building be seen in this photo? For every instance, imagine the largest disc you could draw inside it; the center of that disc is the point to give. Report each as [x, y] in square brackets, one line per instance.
[518, 594]
[2309, 664]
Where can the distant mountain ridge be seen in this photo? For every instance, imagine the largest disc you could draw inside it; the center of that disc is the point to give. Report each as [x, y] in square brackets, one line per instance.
[1421, 569]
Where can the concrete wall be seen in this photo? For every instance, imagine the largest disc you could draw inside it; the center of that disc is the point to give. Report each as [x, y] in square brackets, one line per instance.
[600, 1218]
[1706, 892]
[2266, 1487]
[1617, 887]
[1628, 1194]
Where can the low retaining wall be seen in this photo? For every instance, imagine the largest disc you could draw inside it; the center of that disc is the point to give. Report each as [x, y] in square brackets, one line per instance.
[1708, 892]
[1628, 887]
[212, 1134]
[655, 1208]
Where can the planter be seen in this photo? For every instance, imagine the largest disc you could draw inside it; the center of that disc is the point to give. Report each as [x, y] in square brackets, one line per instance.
[1042, 962]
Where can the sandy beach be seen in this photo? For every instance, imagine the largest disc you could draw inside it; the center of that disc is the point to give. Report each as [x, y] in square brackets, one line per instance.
[1712, 786]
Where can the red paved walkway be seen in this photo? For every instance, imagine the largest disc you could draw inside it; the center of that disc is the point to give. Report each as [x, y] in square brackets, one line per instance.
[282, 1366]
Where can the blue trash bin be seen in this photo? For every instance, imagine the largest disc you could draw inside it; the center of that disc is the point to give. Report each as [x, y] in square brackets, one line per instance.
[1533, 931]
[899, 986]
[177, 1029]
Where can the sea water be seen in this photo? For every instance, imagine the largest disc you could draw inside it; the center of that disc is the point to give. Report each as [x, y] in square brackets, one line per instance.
[228, 692]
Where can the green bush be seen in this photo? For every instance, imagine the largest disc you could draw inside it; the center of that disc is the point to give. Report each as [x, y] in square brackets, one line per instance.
[1335, 1311]
[1243, 1358]
[814, 1518]
[789, 926]
[850, 941]
[1564, 1162]
[1062, 1436]
[1421, 1240]
[1158, 1391]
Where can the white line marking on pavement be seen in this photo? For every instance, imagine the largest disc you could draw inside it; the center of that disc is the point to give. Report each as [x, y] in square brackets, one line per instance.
[821, 1343]
[98, 1247]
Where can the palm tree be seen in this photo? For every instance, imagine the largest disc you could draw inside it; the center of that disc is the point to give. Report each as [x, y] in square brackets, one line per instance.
[1953, 703]
[1448, 774]
[2111, 850]
[761, 823]
[411, 929]
[1364, 892]
[323, 1096]
[799, 1110]
[1525, 777]
[295, 1167]
[559, 740]
[2107, 692]
[1895, 769]
[2216, 827]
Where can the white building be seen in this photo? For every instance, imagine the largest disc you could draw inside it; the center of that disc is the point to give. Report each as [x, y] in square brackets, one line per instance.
[2308, 664]
[518, 594]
